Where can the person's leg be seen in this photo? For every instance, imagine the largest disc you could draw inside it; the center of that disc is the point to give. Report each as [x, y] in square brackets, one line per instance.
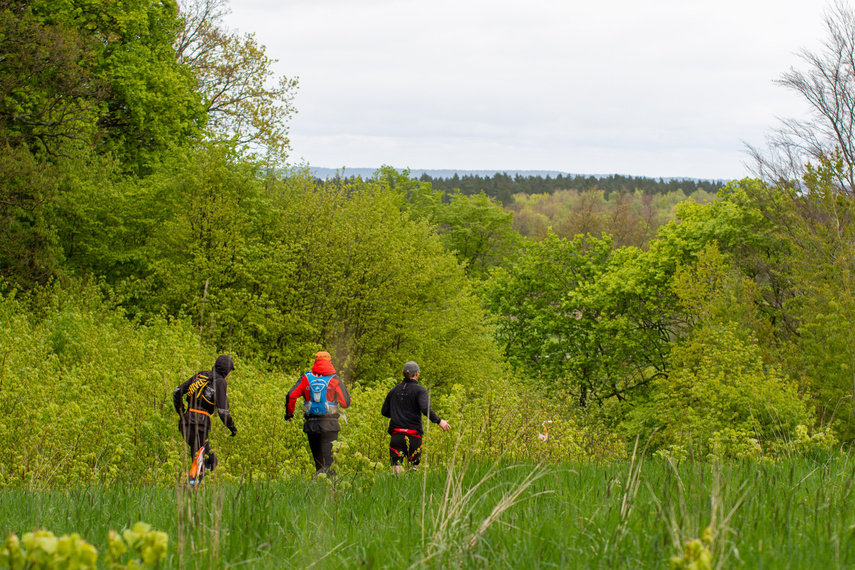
[415, 455]
[397, 451]
[196, 437]
[201, 439]
[210, 458]
[327, 439]
[317, 450]
[190, 436]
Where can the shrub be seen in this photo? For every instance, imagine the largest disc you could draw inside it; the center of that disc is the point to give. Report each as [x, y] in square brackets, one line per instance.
[719, 383]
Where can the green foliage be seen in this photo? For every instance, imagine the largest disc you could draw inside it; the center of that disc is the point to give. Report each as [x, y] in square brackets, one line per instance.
[152, 105]
[86, 397]
[805, 444]
[581, 315]
[145, 548]
[82, 82]
[820, 224]
[718, 390]
[140, 545]
[478, 231]
[233, 73]
[353, 470]
[277, 270]
[718, 382]
[544, 327]
[492, 425]
[696, 555]
[505, 188]
[712, 291]
[29, 252]
[418, 199]
[632, 218]
[41, 549]
[735, 444]
[85, 394]
[512, 418]
[50, 91]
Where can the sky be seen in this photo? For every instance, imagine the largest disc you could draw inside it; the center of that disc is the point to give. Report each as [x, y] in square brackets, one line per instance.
[659, 88]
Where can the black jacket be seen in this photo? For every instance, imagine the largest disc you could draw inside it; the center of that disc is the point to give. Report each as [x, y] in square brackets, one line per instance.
[405, 404]
[208, 392]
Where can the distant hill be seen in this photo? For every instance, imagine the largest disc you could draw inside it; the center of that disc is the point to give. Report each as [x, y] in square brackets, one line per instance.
[324, 173]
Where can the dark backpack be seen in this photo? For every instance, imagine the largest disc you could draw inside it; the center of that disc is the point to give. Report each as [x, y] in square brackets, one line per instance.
[202, 392]
[317, 405]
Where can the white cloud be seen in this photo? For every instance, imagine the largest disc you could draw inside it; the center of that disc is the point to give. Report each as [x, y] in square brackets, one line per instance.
[659, 88]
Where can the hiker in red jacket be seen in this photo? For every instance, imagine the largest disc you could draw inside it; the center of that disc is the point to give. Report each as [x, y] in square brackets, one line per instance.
[324, 393]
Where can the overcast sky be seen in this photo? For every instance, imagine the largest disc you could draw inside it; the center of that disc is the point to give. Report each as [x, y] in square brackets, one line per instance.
[654, 88]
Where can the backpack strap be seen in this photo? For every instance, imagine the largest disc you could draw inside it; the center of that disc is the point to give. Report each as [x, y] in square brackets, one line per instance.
[309, 376]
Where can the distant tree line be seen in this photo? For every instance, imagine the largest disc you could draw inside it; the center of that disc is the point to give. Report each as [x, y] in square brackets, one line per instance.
[502, 186]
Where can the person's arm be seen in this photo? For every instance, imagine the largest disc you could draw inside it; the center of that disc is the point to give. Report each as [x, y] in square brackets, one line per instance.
[291, 400]
[386, 410]
[178, 394]
[424, 404]
[340, 393]
[222, 397]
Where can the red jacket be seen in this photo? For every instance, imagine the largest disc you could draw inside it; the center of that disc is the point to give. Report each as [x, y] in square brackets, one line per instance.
[336, 391]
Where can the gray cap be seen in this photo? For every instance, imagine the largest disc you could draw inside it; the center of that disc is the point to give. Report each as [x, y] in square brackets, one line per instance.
[410, 368]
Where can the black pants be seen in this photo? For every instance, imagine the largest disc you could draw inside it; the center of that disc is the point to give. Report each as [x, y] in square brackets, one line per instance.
[196, 436]
[321, 445]
[398, 448]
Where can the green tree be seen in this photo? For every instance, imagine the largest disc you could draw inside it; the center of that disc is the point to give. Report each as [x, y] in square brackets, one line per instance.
[233, 73]
[278, 269]
[718, 380]
[818, 224]
[49, 91]
[478, 231]
[582, 314]
[418, 198]
[827, 84]
[152, 105]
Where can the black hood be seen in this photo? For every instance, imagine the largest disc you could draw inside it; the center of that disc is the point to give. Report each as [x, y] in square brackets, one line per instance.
[223, 365]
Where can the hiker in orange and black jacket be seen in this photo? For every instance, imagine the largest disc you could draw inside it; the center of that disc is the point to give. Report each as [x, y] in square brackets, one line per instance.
[207, 392]
[321, 429]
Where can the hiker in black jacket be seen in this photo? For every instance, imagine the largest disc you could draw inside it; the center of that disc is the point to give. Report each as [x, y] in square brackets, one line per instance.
[207, 393]
[405, 404]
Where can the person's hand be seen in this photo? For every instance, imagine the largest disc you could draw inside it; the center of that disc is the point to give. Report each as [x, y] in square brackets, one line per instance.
[289, 417]
[234, 431]
[444, 425]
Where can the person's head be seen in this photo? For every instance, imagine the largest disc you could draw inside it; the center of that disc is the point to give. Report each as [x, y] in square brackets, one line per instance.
[224, 365]
[411, 369]
[323, 355]
[323, 364]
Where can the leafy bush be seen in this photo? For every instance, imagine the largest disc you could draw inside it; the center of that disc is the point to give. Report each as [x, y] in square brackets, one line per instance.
[142, 547]
[86, 393]
[734, 444]
[719, 383]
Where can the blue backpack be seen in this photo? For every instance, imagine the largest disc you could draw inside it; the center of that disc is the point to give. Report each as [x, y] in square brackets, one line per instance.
[318, 404]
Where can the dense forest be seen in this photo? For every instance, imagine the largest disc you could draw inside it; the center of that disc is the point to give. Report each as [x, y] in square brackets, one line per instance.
[503, 187]
[149, 220]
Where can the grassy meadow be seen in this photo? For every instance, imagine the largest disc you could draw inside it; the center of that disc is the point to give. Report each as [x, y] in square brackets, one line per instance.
[635, 514]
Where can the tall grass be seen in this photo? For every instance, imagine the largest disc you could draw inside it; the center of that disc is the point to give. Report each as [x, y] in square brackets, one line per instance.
[636, 514]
